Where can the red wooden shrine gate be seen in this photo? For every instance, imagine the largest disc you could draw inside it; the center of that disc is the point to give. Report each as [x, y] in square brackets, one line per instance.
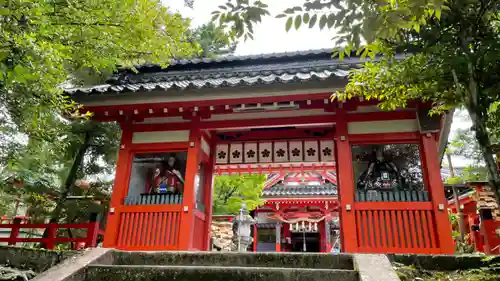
[173, 142]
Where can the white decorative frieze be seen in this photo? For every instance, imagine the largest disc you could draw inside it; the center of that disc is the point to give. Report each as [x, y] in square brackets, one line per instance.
[280, 151]
[222, 154]
[251, 152]
[296, 151]
[236, 153]
[327, 150]
[263, 152]
[311, 151]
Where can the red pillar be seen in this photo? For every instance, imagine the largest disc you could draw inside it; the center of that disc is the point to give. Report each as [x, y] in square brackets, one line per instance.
[255, 238]
[436, 189]
[208, 194]
[322, 236]
[278, 237]
[120, 188]
[189, 200]
[346, 183]
[287, 236]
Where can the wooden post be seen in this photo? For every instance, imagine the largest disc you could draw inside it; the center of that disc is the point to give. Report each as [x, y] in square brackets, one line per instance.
[346, 183]
[189, 200]
[51, 234]
[208, 187]
[436, 188]
[14, 232]
[120, 189]
[255, 238]
[92, 231]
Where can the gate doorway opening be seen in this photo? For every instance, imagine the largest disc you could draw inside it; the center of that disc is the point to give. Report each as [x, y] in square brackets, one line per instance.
[305, 242]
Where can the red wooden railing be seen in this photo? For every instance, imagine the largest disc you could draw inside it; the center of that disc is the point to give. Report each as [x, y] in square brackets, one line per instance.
[149, 227]
[228, 218]
[199, 235]
[51, 239]
[396, 227]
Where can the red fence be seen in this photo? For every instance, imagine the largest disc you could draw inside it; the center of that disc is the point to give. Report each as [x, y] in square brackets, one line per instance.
[51, 239]
[149, 227]
[396, 227]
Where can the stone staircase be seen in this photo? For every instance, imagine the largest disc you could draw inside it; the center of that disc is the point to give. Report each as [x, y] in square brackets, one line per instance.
[212, 266]
[111, 265]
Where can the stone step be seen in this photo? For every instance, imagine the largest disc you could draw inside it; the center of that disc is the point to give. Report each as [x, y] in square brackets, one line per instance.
[282, 260]
[213, 273]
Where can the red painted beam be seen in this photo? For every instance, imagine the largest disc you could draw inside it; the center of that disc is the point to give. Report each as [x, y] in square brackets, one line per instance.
[384, 138]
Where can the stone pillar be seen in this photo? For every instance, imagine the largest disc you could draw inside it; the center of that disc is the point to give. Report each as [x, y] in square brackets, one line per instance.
[278, 237]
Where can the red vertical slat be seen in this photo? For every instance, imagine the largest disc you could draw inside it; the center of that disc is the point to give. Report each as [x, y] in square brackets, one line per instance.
[406, 229]
[154, 229]
[360, 228]
[139, 220]
[370, 224]
[133, 229]
[123, 230]
[160, 240]
[413, 232]
[401, 230]
[176, 221]
[394, 232]
[376, 227]
[168, 229]
[432, 232]
[383, 229]
[425, 229]
[145, 229]
[420, 226]
[149, 228]
[366, 227]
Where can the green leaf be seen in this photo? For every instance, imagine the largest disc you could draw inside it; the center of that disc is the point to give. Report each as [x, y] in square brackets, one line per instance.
[312, 21]
[322, 22]
[331, 20]
[298, 21]
[288, 24]
[306, 18]
[279, 16]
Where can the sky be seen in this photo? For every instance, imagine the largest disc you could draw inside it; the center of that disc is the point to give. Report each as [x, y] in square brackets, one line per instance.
[270, 37]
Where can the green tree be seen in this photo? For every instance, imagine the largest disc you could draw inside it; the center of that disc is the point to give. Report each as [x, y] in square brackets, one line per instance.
[213, 41]
[42, 43]
[231, 191]
[451, 52]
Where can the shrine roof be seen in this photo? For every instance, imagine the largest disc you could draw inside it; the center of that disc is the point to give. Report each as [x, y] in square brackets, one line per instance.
[282, 190]
[228, 71]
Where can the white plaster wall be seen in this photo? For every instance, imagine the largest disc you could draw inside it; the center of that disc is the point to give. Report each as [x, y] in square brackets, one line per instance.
[160, 136]
[389, 126]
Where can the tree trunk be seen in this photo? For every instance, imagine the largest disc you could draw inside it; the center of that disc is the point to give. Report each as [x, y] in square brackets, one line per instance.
[70, 179]
[479, 125]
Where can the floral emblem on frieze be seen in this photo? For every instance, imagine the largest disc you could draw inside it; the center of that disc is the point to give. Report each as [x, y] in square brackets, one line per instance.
[250, 154]
[266, 153]
[296, 152]
[280, 153]
[311, 152]
[222, 155]
[327, 151]
[236, 154]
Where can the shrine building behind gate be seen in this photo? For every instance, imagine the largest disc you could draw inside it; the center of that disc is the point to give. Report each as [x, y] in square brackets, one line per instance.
[268, 114]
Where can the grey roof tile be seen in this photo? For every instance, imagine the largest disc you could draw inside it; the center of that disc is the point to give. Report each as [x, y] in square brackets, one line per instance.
[281, 190]
[229, 71]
